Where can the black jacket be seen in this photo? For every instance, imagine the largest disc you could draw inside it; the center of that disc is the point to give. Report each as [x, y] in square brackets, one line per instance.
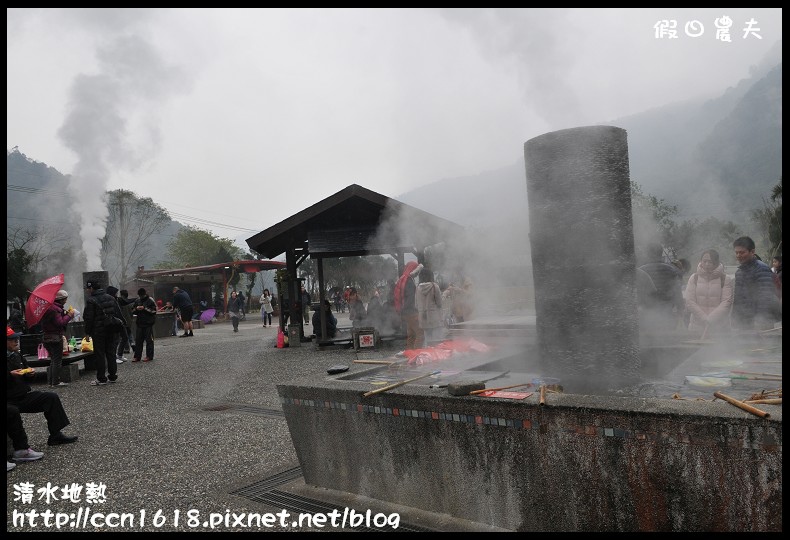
[100, 309]
[16, 386]
[147, 315]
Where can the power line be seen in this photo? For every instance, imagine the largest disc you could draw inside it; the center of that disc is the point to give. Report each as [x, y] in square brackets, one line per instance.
[179, 216]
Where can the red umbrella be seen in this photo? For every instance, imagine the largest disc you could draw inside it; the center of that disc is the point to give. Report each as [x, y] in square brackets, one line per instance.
[41, 298]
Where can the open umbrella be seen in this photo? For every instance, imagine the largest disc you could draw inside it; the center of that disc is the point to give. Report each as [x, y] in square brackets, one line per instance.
[208, 315]
[41, 298]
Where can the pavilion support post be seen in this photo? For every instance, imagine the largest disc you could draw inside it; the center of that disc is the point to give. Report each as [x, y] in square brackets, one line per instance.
[321, 298]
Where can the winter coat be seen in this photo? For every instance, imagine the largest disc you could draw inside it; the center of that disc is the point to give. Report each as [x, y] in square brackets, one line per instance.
[234, 306]
[709, 299]
[755, 297]
[146, 316]
[357, 313]
[16, 386]
[54, 322]
[181, 300]
[667, 280]
[100, 308]
[266, 304]
[428, 301]
[331, 323]
[405, 289]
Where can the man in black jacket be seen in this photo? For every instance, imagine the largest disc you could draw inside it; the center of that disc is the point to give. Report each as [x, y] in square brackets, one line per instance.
[145, 311]
[21, 399]
[103, 321]
[755, 304]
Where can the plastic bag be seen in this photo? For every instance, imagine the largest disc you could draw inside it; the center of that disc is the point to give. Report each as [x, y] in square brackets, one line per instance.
[87, 345]
[280, 338]
[66, 348]
[43, 354]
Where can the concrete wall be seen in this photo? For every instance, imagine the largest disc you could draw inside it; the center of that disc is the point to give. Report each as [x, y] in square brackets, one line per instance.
[580, 463]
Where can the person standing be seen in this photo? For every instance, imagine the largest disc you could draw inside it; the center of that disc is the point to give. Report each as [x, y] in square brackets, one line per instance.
[145, 311]
[242, 306]
[100, 313]
[183, 303]
[266, 307]
[428, 302]
[306, 302]
[234, 310]
[667, 304]
[121, 342]
[356, 309]
[405, 295]
[20, 398]
[127, 304]
[709, 295]
[755, 305]
[53, 323]
[776, 268]
[16, 319]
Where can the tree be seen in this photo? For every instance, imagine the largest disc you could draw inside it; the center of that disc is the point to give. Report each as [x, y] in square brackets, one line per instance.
[769, 220]
[131, 222]
[652, 218]
[692, 237]
[32, 254]
[197, 247]
[18, 265]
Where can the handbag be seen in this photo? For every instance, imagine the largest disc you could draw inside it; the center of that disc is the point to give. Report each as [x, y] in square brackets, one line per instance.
[43, 354]
[86, 345]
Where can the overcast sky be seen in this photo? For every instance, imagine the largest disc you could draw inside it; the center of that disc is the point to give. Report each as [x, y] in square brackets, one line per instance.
[245, 117]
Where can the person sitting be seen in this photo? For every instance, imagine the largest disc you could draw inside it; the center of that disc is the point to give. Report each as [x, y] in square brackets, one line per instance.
[20, 398]
[331, 321]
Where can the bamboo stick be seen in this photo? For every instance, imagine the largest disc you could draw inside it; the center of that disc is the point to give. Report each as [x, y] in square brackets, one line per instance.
[740, 404]
[771, 401]
[755, 373]
[397, 384]
[542, 401]
[770, 330]
[475, 392]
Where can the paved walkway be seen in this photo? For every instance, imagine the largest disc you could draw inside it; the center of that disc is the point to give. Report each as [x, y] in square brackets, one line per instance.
[181, 434]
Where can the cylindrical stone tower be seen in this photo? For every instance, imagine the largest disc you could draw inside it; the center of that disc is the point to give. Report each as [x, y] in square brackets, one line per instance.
[582, 240]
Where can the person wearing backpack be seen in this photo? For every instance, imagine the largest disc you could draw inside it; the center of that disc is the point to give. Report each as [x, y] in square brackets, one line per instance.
[103, 321]
[709, 296]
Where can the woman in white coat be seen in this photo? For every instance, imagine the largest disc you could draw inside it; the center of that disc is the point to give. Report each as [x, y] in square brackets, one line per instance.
[709, 295]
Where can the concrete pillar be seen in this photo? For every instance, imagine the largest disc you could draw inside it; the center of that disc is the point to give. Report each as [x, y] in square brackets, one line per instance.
[102, 276]
[582, 241]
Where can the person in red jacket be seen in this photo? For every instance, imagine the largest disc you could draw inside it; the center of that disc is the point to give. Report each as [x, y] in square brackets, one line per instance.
[53, 324]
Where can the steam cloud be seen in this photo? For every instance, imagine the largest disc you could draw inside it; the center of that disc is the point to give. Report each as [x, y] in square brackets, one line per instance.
[131, 86]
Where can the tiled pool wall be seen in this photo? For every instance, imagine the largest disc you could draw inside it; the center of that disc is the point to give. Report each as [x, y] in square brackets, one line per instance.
[580, 463]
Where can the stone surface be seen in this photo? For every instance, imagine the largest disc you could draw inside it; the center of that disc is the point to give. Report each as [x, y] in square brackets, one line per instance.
[583, 262]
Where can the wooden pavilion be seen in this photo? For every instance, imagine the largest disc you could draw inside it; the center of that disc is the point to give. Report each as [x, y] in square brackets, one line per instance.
[355, 221]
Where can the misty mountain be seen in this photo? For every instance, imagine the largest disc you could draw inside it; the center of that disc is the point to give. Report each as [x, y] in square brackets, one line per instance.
[710, 157]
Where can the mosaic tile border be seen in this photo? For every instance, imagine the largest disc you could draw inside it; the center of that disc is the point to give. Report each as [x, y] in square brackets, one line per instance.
[768, 444]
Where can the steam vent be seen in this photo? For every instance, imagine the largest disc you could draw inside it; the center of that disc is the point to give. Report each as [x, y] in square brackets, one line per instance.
[581, 233]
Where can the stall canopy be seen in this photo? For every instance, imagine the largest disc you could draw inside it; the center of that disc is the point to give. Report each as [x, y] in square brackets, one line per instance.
[195, 276]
